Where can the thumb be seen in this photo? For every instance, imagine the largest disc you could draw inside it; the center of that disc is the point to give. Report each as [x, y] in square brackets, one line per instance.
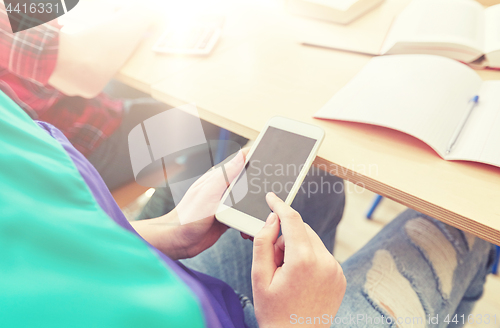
[221, 175]
[234, 166]
[264, 266]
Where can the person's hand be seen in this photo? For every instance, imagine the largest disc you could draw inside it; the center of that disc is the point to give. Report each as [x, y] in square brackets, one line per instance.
[293, 276]
[199, 204]
[199, 229]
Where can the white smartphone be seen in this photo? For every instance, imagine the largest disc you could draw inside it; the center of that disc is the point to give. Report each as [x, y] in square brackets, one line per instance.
[278, 161]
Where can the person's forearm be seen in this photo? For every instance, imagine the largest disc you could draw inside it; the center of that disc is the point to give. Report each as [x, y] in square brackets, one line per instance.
[90, 56]
[162, 233]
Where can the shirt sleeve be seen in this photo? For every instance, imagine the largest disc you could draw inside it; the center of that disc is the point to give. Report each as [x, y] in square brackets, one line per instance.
[29, 54]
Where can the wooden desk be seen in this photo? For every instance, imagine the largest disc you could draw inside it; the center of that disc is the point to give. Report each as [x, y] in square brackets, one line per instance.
[264, 71]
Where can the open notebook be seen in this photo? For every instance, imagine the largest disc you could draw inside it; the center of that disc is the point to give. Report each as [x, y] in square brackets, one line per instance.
[427, 97]
[460, 29]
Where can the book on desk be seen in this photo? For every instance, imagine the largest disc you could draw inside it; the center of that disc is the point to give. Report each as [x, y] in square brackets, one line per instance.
[428, 97]
[459, 29]
[336, 11]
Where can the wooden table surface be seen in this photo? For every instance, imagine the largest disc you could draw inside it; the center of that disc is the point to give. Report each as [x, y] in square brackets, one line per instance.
[260, 69]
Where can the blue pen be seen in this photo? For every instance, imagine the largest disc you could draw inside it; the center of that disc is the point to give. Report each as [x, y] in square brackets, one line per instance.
[460, 127]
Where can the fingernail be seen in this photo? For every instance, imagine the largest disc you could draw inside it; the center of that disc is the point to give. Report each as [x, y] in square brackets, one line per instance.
[270, 219]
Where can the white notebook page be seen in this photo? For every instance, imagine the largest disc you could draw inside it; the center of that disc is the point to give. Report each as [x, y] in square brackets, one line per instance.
[422, 95]
[477, 140]
[488, 128]
[492, 28]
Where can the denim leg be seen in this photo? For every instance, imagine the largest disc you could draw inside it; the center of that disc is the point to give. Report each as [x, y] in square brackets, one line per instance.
[230, 258]
[320, 201]
[473, 294]
[416, 268]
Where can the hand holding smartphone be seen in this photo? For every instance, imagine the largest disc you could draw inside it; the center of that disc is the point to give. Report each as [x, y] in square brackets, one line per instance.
[277, 162]
[293, 275]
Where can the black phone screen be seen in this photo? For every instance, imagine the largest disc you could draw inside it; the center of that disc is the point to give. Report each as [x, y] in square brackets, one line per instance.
[274, 166]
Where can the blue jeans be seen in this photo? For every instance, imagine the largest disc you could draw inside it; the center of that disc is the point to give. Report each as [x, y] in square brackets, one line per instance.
[417, 271]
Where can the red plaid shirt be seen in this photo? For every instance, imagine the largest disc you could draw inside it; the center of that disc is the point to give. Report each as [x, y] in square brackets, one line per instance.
[27, 60]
